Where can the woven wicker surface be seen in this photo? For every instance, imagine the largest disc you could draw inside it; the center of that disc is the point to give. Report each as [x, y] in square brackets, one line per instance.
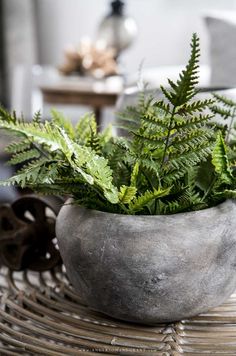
[41, 315]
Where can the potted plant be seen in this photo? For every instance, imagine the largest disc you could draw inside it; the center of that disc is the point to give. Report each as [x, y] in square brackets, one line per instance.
[148, 234]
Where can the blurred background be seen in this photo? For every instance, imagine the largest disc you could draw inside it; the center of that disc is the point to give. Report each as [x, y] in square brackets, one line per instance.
[80, 55]
[36, 33]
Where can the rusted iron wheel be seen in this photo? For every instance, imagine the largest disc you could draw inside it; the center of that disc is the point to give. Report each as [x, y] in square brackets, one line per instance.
[27, 233]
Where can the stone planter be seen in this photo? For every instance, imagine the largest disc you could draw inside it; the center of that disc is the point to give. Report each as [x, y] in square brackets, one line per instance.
[150, 269]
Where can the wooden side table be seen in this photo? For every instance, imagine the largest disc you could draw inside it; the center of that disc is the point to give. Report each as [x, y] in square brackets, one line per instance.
[95, 93]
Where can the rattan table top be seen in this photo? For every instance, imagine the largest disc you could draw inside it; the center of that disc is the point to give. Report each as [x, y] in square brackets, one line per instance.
[40, 314]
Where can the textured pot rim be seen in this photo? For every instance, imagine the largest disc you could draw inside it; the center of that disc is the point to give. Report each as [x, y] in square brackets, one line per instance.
[187, 213]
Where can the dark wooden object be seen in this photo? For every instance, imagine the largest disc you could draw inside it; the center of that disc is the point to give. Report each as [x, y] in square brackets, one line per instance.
[27, 233]
[62, 94]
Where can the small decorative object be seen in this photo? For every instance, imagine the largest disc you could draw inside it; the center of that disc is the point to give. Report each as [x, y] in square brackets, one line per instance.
[149, 232]
[27, 232]
[90, 59]
[117, 31]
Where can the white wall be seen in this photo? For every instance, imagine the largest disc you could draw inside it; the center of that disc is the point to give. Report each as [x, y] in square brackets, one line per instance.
[165, 28]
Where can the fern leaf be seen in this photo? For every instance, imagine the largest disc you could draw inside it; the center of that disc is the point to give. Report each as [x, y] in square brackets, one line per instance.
[195, 106]
[224, 113]
[58, 119]
[139, 203]
[96, 169]
[37, 117]
[24, 156]
[151, 118]
[94, 140]
[105, 136]
[85, 126]
[134, 175]
[184, 89]
[227, 194]
[192, 122]
[150, 166]
[6, 116]
[224, 100]
[165, 107]
[127, 194]
[178, 166]
[205, 174]
[42, 134]
[220, 160]
[18, 146]
[28, 175]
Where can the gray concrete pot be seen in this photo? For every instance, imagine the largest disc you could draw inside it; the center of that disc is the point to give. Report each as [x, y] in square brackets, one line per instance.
[150, 269]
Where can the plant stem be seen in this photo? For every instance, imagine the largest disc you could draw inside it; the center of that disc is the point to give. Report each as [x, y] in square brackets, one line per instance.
[209, 189]
[40, 150]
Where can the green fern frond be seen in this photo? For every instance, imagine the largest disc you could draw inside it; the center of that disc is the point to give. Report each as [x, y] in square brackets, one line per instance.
[150, 167]
[94, 140]
[184, 89]
[220, 160]
[151, 120]
[39, 133]
[178, 166]
[18, 146]
[153, 140]
[134, 175]
[189, 139]
[189, 158]
[59, 119]
[24, 156]
[98, 168]
[195, 106]
[192, 122]
[105, 136]
[176, 206]
[7, 116]
[139, 203]
[127, 194]
[92, 167]
[172, 160]
[129, 119]
[204, 175]
[224, 100]
[226, 109]
[161, 105]
[84, 127]
[37, 117]
[28, 175]
[227, 194]
[224, 113]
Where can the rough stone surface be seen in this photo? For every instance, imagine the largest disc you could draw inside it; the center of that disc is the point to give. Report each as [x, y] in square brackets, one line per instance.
[150, 269]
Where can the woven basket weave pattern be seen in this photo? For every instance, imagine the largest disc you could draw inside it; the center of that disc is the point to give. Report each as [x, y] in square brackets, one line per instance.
[40, 314]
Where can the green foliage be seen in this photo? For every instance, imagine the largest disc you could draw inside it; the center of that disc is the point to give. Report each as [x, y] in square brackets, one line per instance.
[220, 160]
[173, 158]
[143, 200]
[127, 194]
[184, 89]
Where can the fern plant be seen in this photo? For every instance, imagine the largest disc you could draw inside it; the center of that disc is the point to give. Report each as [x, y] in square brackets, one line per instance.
[173, 158]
